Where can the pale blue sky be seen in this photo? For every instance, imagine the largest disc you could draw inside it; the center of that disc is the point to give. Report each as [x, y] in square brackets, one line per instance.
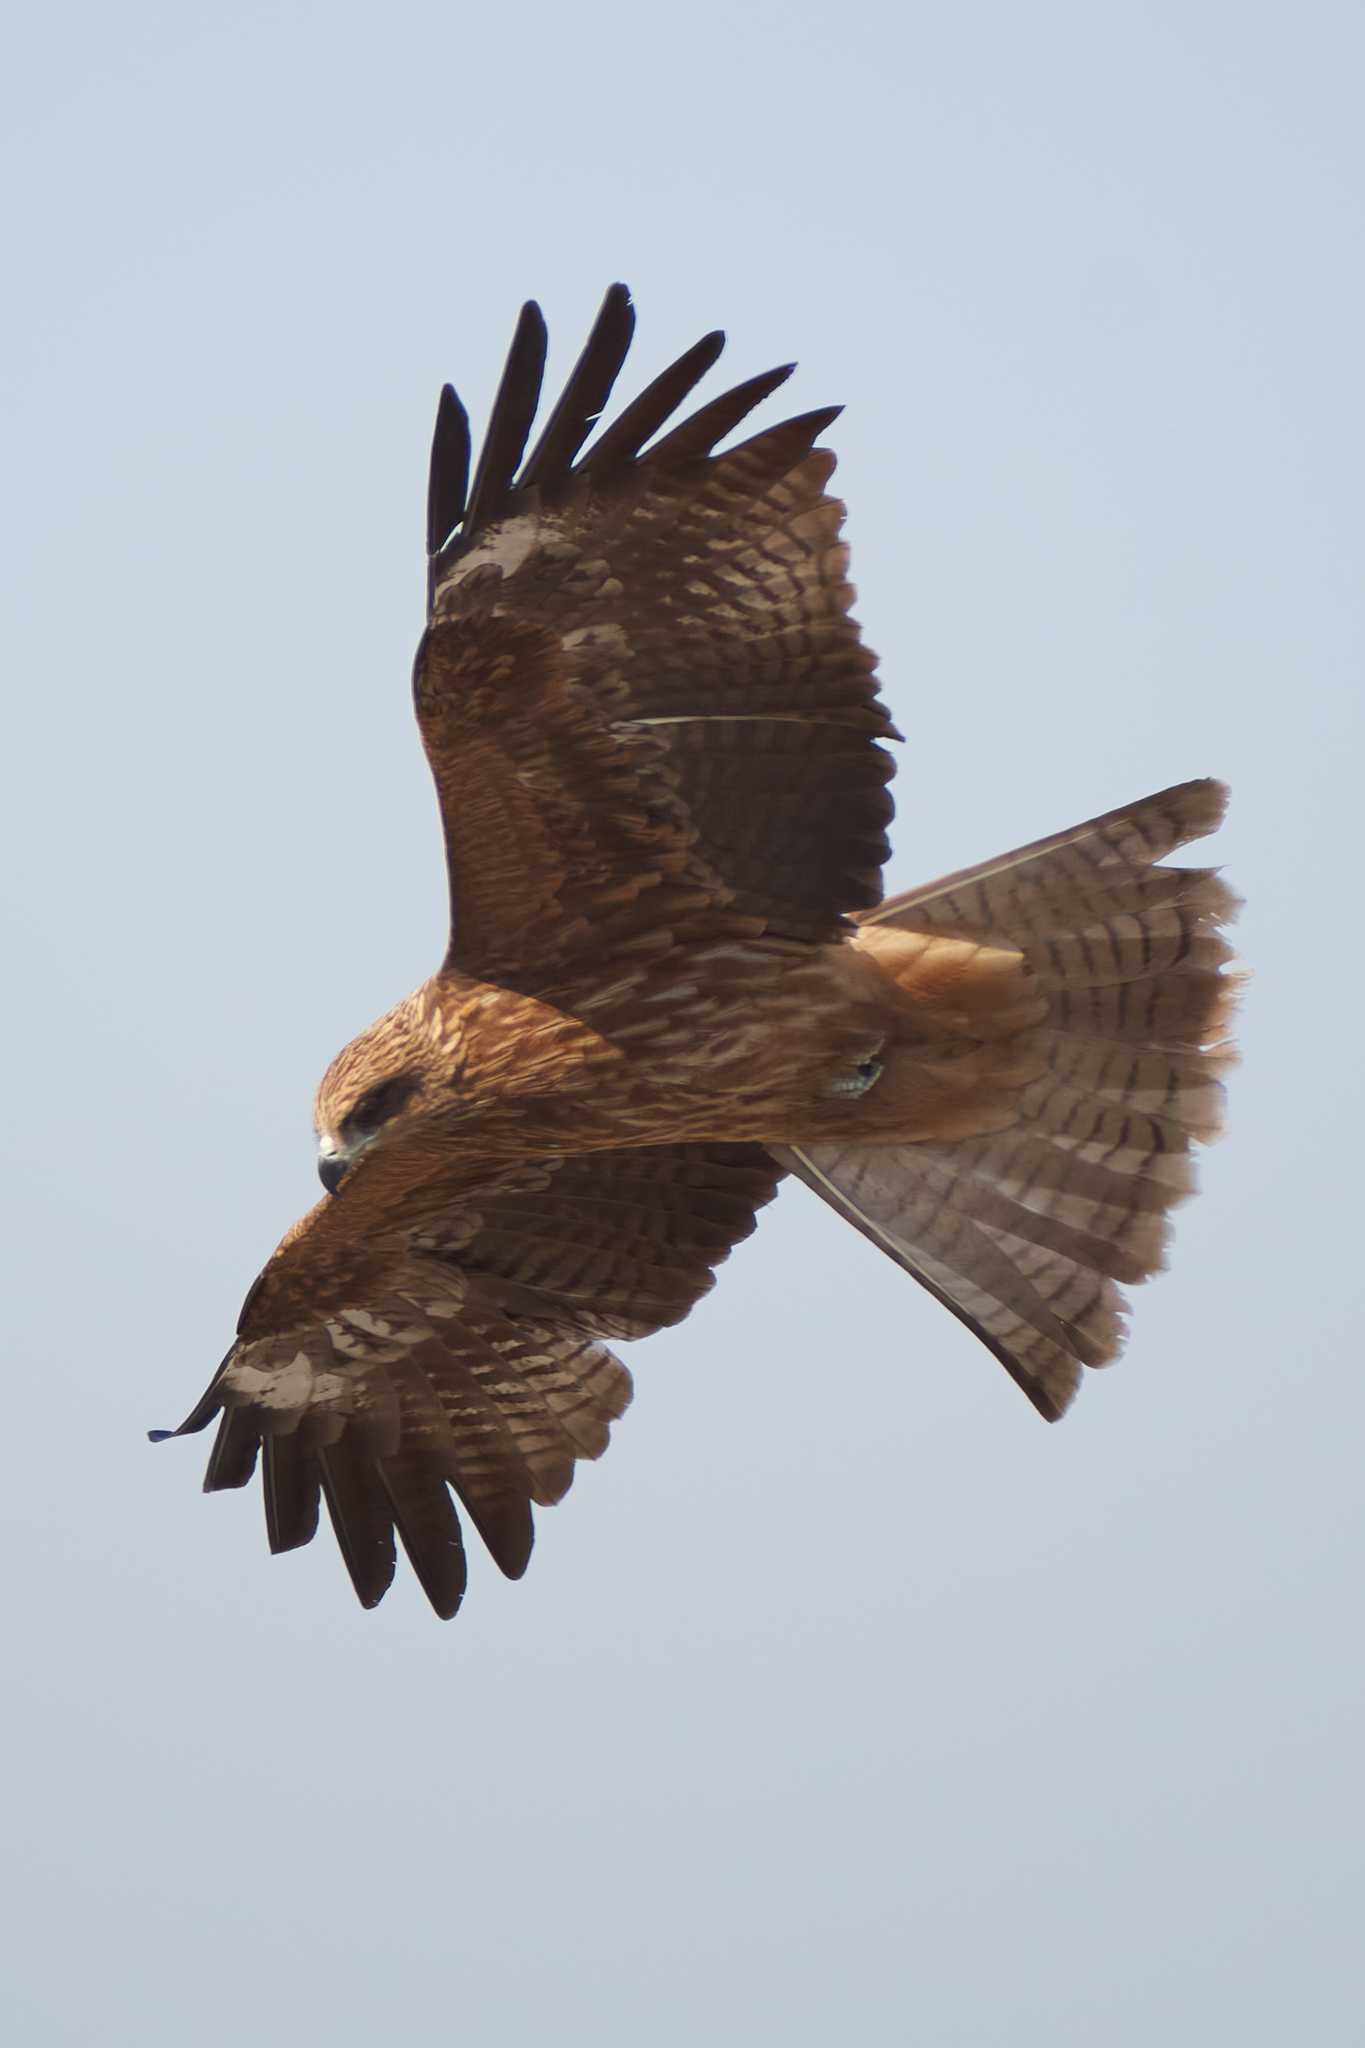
[844, 1700]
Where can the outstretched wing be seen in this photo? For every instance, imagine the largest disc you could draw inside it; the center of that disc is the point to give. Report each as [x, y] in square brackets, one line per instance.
[640, 692]
[406, 1342]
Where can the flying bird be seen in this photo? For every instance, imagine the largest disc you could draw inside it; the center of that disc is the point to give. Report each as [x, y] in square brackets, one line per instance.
[660, 757]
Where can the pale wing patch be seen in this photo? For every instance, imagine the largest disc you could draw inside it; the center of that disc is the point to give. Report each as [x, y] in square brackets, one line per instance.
[507, 548]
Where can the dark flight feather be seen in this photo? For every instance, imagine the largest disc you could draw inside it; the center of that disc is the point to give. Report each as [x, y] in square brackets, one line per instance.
[292, 1485]
[698, 435]
[584, 396]
[644, 416]
[448, 477]
[233, 1457]
[358, 1504]
[514, 410]
[428, 1526]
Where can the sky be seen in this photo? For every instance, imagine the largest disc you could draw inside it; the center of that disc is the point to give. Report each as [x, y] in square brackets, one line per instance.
[843, 1698]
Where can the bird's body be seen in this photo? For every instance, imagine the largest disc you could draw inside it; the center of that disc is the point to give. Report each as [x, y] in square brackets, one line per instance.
[658, 749]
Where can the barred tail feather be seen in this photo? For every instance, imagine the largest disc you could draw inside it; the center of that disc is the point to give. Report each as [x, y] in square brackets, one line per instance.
[1025, 1232]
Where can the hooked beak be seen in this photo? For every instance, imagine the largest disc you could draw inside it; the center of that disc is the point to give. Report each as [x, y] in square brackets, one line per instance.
[336, 1157]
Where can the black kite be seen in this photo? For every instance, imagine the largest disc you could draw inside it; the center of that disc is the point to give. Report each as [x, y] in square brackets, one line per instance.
[657, 744]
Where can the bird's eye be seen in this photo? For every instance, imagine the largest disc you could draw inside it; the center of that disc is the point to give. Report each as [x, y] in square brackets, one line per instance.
[381, 1102]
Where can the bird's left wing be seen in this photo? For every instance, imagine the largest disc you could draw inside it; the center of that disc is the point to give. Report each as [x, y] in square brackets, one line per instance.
[410, 1339]
[640, 691]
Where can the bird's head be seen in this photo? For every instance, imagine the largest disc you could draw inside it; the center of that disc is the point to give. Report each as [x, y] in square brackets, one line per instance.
[371, 1092]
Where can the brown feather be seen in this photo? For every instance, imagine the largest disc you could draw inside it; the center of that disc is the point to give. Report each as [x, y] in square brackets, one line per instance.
[1022, 1232]
[730, 743]
[642, 418]
[448, 478]
[514, 409]
[292, 1485]
[584, 396]
[362, 1520]
[475, 1366]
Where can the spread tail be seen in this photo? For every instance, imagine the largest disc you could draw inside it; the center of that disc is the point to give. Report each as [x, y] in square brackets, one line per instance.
[1024, 1232]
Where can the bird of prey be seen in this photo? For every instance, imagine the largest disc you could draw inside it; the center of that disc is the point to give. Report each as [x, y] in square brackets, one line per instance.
[658, 750]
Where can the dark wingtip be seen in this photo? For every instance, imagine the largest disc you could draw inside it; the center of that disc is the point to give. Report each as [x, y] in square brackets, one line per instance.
[585, 395]
[822, 417]
[161, 1436]
[514, 409]
[531, 330]
[448, 479]
[621, 443]
[699, 435]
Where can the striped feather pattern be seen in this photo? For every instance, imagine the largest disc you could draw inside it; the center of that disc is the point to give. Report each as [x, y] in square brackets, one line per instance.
[1024, 1233]
[477, 1369]
[718, 697]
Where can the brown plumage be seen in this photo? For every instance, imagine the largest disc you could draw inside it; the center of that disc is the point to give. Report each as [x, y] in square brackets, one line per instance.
[658, 751]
